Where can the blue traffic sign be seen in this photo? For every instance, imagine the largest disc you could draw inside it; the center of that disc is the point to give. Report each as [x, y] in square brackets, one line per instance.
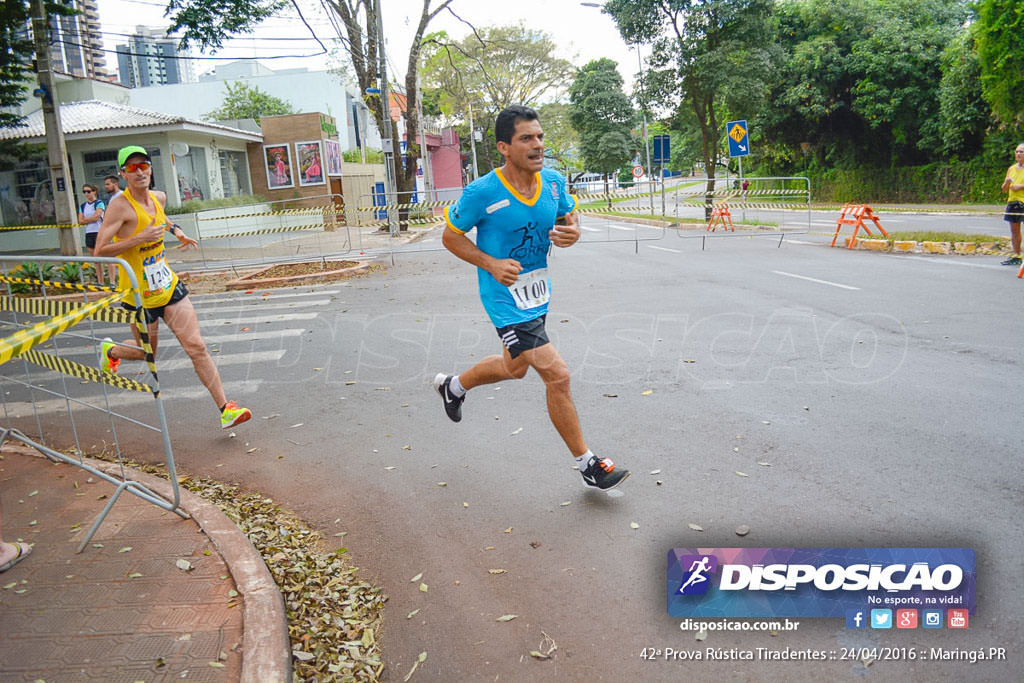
[662, 149]
[739, 139]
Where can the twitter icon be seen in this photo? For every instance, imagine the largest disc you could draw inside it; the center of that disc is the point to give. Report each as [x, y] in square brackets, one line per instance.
[881, 618]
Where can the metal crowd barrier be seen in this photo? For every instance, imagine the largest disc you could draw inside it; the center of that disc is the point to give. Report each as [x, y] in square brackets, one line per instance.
[49, 332]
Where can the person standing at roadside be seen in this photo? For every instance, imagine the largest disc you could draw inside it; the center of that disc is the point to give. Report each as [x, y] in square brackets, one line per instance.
[1014, 214]
[112, 186]
[519, 211]
[90, 214]
[134, 230]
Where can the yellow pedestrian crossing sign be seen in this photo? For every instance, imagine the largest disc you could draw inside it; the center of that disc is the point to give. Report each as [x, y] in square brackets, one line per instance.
[739, 146]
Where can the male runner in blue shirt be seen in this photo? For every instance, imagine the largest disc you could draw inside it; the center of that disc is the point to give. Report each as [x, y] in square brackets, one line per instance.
[514, 209]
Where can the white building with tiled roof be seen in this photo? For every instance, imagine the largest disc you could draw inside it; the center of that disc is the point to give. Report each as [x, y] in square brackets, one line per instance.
[191, 159]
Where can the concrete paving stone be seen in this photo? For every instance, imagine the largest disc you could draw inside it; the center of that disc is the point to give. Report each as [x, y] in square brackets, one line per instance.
[81, 618]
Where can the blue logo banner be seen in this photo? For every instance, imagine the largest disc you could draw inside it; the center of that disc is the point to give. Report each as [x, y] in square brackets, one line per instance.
[817, 582]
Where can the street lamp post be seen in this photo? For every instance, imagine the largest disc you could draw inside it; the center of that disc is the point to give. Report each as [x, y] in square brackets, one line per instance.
[647, 146]
[643, 112]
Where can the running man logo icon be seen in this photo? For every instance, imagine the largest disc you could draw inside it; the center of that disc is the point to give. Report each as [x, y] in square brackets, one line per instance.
[695, 580]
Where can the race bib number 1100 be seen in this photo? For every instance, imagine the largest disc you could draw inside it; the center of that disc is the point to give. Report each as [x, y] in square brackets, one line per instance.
[531, 290]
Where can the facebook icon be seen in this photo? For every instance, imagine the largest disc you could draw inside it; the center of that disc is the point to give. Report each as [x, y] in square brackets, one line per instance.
[855, 618]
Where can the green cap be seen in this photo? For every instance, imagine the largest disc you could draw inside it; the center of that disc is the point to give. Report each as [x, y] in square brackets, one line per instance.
[125, 152]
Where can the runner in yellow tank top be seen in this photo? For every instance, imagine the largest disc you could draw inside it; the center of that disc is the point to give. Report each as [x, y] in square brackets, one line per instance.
[133, 228]
[156, 280]
[1014, 214]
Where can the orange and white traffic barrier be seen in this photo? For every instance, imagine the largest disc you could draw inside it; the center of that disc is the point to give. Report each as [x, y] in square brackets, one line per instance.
[720, 216]
[855, 215]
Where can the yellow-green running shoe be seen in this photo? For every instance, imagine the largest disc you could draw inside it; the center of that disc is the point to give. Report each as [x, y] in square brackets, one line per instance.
[107, 363]
[233, 415]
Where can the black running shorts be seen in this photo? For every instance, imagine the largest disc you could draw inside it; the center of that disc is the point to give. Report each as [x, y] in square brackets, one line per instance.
[524, 336]
[1014, 212]
[152, 314]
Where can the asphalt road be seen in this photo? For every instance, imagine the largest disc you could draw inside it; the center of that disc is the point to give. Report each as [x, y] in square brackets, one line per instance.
[869, 399]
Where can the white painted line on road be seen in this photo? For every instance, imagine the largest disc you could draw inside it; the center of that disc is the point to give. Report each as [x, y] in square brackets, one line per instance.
[256, 319]
[792, 241]
[261, 306]
[122, 399]
[812, 279]
[955, 262]
[251, 336]
[249, 297]
[586, 229]
[674, 251]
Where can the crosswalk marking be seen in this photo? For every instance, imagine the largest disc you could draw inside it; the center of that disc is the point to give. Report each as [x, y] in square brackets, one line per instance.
[260, 306]
[256, 319]
[252, 336]
[204, 298]
[124, 399]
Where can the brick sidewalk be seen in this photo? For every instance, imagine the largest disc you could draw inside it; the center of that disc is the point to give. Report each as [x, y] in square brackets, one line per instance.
[76, 616]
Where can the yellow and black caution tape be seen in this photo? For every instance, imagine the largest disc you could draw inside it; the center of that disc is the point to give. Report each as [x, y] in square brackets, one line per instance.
[411, 221]
[87, 372]
[753, 205]
[306, 211]
[59, 285]
[268, 231]
[416, 205]
[37, 227]
[23, 340]
[51, 308]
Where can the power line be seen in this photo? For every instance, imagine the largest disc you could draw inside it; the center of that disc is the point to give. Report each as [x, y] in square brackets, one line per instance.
[183, 57]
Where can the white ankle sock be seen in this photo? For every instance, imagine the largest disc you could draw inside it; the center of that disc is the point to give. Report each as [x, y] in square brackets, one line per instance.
[582, 460]
[455, 386]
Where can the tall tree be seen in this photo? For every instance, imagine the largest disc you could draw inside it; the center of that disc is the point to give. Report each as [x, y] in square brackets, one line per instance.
[999, 32]
[963, 113]
[244, 102]
[561, 141]
[490, 69]
[208, 22]
[603, 116]
[717, 55]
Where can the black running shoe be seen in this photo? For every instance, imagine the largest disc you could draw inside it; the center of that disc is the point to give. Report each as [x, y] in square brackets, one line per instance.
[452, 405]
[1012, 261]
[601, 473]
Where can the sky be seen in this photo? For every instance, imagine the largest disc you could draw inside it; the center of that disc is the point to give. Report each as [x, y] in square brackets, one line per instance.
[582, 33]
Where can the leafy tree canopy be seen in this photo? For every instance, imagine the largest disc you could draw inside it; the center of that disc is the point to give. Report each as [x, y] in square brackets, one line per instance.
[244, 102]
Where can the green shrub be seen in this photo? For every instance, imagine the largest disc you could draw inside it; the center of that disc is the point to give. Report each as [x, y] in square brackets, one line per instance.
[373, 156]
[953, 182]
[71, 273]
[196, 205]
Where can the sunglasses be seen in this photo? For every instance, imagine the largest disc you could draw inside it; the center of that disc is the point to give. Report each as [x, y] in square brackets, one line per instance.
[90, 191]
[137, 166]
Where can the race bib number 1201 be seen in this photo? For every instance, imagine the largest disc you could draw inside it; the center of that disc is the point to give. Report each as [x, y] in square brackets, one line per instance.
[531, 290]
[158, 275]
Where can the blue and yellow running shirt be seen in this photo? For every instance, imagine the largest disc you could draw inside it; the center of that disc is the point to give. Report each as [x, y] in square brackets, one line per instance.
[509, 225]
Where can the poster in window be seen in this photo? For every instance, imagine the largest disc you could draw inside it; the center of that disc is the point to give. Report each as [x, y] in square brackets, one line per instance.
[333, 150]
[311, 168]
[279, 166]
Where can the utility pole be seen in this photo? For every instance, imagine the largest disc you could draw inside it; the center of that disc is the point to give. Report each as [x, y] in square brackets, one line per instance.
[472, 141]
[387, 142]
[60, 173]
[647, 146]
[428, 172]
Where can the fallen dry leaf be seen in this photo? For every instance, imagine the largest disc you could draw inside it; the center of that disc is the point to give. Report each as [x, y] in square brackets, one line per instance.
[506, 617]
[695, 527]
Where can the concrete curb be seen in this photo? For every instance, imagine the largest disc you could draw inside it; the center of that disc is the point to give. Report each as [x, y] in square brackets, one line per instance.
[266, 646]
[910, 247]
